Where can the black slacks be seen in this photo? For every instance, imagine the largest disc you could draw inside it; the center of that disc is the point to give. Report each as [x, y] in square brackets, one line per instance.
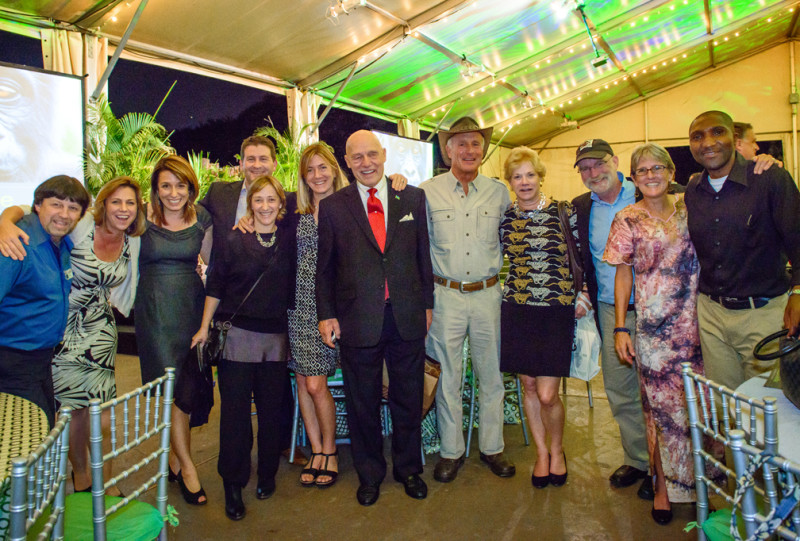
[265, 383]
[29, 374]
[362, 369]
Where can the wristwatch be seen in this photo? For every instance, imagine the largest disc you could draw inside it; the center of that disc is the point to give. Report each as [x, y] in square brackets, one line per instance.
[794, 291]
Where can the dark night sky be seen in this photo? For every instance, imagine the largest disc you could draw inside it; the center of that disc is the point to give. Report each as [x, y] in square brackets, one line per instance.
[206, 114]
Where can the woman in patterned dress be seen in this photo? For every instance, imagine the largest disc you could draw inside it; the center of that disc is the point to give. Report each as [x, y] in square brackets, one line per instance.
[651, 238]
[104, 266]
[539, 308]
[312, 361]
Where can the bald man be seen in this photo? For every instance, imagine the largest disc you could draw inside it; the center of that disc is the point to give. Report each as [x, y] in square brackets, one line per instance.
[744, 227]
[375, 297]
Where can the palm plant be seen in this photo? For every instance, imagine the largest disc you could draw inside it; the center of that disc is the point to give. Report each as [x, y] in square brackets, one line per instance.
[287, 145]
[130, 146]
[208, 172]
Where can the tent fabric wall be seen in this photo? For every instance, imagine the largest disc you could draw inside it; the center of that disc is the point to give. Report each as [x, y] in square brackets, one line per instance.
[755, 90]
[74, 53]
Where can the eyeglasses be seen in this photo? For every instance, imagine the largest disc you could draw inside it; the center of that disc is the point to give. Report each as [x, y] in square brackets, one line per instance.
[588, 168]
[657, 170]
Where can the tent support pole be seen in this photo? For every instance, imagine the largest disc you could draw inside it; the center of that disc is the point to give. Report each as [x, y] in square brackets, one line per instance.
[118, 51]
[497, 144]
[335, 97]
[793, 90]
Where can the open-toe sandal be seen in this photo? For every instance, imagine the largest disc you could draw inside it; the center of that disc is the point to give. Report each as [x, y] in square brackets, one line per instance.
[309, 470]
[324, 471]
[192, 498]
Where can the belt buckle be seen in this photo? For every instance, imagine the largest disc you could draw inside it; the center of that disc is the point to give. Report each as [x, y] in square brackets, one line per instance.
[461, 287]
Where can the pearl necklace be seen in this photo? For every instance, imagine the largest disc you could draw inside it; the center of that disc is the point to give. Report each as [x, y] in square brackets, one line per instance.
[265, 243]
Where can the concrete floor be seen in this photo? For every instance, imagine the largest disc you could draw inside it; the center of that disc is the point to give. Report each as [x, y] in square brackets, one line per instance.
[477, 505]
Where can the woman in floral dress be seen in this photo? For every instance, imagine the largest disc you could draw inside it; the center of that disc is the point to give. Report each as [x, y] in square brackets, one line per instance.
[651, 240]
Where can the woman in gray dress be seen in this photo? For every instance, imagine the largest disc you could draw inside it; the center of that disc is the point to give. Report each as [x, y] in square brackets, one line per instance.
[169, 303]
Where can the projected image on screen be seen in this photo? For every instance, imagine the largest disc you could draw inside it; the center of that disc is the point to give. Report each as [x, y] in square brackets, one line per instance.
[409, 157]
[41, 130]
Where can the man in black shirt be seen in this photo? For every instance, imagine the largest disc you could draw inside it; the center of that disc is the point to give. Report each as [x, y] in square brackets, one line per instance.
[744, 227]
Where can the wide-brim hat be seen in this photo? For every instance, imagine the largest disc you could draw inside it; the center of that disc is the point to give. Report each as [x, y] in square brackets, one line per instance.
[593, 148]
[464, 124]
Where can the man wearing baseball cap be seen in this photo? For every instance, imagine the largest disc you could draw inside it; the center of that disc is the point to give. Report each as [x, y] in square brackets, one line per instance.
[609, 193]
[464, 213]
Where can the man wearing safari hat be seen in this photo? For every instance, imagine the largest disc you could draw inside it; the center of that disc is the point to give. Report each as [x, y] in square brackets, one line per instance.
[464, 213]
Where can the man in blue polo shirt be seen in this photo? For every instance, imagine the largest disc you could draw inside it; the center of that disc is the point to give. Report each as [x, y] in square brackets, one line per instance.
[34, 293]
[609, 193]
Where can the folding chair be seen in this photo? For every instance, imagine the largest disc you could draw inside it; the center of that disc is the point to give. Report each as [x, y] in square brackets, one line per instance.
[715, 411]
[779, 495]
[38, 482]
[146, 415]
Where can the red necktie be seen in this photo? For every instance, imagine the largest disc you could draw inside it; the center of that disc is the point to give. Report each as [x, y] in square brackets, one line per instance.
[378, 224]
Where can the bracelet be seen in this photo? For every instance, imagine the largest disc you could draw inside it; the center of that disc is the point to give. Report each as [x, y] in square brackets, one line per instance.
[622, 329]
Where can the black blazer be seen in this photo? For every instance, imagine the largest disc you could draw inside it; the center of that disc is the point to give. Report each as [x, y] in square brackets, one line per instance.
[351, 268]
[221, 202]
[583, 207]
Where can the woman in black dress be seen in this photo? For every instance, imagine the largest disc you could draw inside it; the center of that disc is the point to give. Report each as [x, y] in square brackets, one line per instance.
[169, 303]
[251, 284]
[538, 310]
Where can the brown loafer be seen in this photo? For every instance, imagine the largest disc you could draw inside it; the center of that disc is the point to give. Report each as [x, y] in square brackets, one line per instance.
[447, 469]
[499, 465]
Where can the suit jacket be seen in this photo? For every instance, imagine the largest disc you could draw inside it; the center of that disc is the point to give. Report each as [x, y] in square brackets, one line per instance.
[583, 208]
[221, 202]
[351, 269]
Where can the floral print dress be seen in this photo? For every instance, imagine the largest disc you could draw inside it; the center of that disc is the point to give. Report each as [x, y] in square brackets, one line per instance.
[666, 277]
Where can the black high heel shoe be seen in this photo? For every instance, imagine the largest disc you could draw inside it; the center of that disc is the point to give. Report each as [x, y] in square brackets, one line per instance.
[558, 480]
[87, 489]
[172, 477]
[541, 481]
[192, 498]
[325, 472]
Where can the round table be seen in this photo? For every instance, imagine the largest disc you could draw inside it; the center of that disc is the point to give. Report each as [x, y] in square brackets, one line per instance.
[23, 426]
[788, 415]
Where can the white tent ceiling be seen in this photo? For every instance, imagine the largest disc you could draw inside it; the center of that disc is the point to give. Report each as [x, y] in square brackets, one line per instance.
[531, 61]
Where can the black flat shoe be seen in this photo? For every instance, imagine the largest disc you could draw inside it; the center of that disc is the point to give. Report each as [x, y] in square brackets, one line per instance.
[414, 486]
[192, 498]
[172, 477]
[625, 476]
[265, 489]
[234, 506]
[541, 481]
[661, 516]
[324, 471]
[368, 494]
[558, 480]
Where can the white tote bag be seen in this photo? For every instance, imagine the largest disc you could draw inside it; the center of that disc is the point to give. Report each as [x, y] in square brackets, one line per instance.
[585, 349]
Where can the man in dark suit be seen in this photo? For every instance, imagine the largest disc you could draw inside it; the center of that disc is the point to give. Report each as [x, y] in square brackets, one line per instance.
[610, 192]
[227, 201]
[375, 296]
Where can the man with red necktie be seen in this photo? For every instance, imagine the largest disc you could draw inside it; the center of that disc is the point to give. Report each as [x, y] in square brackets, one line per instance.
[375, 297]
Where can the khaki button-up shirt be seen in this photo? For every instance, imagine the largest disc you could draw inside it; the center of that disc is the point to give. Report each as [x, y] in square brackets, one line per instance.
[464, 228]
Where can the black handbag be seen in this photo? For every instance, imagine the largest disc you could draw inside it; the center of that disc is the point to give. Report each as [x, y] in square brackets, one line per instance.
[214, 347]
[573, 256]
[789, 353]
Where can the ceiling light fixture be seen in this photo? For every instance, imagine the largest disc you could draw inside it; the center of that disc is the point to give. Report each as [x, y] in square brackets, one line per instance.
[342, 7]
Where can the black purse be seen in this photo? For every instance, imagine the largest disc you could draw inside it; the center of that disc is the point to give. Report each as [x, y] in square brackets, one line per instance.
[573, 256]
[789, 352]
[211, 353]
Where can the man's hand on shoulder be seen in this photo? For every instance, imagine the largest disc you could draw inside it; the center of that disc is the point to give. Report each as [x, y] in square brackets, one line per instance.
[764, 162]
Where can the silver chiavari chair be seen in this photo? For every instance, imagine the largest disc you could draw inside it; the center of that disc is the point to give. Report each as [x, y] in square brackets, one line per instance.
[145, 416]
[714, 412]
[779, 495]
[38, 482]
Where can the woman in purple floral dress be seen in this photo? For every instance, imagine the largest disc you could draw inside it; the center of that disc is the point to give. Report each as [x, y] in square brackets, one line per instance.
[651, 239]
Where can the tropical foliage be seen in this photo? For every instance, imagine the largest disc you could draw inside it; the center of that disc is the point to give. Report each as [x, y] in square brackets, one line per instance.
[208, 172]
[287, 145]
[130, 146]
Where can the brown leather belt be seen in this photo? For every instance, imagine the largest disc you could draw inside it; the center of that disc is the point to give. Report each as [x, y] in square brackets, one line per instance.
[466, 287]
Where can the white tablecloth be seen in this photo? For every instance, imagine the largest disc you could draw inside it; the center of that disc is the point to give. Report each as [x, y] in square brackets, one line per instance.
[788, 415]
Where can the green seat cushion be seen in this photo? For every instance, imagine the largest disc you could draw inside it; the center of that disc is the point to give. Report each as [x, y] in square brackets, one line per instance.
[717, 526]
[337, 378]
[136, 521]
